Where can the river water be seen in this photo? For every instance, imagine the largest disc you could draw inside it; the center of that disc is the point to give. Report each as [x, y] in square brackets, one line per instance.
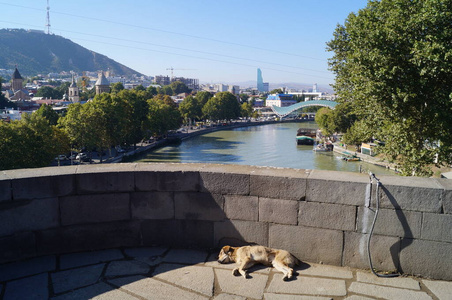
[266, 145]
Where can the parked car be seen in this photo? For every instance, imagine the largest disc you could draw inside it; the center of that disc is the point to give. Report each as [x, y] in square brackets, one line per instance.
[82, 156]
[61, 157]
[119, 149]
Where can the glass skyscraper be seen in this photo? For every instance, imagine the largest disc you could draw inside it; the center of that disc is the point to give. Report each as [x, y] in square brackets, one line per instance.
[260, 81]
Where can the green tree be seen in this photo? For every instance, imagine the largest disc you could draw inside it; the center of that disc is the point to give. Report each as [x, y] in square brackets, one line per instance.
[277, 91]
[165, 90]
[47, 112]
[338, 120]
[136, 111]
[63, 88]
[162, 117]
[223, 106]
[74, 126]
[166, 99]
[88, 94]
[246, 110]
[49, 92]
[190, 109]
[5, 103]
[202, 97]
[179, 87]
[139, 87]
[151, 91]
[393, 63]
[30, 143]
[116, 87]
[323, 119]
[114, 116]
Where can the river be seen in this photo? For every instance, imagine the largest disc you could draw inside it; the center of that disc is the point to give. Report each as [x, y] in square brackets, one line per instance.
[266, 145]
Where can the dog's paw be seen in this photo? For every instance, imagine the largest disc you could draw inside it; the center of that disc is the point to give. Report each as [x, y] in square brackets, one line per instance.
[236, 272]
[285, 278]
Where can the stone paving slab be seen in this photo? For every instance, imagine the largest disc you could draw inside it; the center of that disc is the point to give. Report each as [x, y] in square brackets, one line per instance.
[26, 268]
[398, 282]
[127, 267]
[149, 288]
[308, 286]
[196, 278]
[237, 285]
[228, 297]
[269, 296]
[441, 289]
[73, 260]
[385, 292]
[99, 291]
[64, 281]
[186, 256]
[326, 271]
[34, 287]
[145, 251]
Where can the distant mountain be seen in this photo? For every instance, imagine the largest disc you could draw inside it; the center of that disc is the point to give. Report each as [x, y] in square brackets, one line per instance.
[35, 52]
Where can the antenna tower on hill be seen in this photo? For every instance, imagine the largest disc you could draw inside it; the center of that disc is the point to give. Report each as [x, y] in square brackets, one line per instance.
[48, 18]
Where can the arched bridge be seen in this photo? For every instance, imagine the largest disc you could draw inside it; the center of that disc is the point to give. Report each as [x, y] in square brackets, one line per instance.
[285, 111]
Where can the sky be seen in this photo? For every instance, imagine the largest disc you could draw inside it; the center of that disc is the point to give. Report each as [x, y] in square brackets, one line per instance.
[213, 41]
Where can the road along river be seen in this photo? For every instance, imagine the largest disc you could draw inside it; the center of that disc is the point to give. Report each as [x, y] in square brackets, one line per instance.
[265, 145]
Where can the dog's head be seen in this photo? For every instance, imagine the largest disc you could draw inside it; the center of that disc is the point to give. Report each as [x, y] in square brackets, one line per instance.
[225, 255]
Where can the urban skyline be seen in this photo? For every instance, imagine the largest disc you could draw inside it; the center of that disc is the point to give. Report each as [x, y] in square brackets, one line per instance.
[197, 40]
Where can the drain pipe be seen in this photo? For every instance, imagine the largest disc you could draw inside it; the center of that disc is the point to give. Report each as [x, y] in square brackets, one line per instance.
[367, 203]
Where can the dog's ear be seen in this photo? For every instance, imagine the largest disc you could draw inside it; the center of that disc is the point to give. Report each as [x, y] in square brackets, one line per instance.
[226, 249]
[231, 249]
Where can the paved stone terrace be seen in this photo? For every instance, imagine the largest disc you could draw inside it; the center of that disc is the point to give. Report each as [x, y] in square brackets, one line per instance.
[165, 273]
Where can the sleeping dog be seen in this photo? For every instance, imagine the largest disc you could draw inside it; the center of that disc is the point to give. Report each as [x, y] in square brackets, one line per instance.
[247, 256]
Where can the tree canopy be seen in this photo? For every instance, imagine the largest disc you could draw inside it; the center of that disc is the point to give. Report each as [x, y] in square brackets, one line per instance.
[30, 143]
[49, 92]
[190, 109]
[393, 63]
[179, 87]
[223, 106]
[47, 112]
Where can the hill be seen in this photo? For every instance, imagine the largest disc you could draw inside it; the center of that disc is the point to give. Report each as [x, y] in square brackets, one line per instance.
[37, 53]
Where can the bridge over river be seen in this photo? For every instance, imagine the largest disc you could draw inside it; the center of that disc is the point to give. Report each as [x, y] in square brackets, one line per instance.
[289, 110]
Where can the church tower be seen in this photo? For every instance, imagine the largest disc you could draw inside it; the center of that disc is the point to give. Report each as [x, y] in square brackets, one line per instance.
[102, 84]
[74, 92]
[17, 80]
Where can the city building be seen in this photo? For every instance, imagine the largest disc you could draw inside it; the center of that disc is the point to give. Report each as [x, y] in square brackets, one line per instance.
[17, 92]
[162, 80]
[260, 81]
[74, 92]
[102, 84]
[191, 83]
[280, 100]
[234, 89]
[261, 85]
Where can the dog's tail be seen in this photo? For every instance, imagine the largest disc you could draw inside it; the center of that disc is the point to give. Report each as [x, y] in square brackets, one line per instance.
[297, 261]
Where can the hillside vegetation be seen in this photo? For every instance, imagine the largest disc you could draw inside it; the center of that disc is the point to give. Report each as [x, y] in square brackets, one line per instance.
[39, 53]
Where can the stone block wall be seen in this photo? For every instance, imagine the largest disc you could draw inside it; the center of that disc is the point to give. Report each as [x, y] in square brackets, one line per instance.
[319, 216]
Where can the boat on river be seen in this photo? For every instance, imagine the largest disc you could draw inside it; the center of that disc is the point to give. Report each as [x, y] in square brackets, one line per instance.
[351, 157]
[306, 136]
[323, 147]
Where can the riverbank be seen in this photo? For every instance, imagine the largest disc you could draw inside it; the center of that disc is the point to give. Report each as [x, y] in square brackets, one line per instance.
[364, 157]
